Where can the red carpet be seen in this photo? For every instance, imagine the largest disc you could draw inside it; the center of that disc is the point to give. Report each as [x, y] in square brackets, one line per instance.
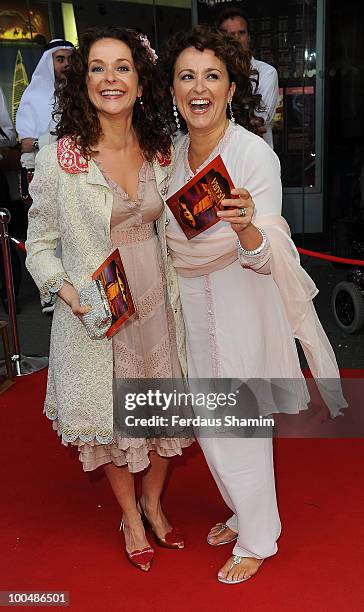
[59, 526]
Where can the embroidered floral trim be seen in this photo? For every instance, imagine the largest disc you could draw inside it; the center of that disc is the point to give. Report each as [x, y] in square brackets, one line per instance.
[69, 156]
[163, 160]
[53, 284]
[216, 365]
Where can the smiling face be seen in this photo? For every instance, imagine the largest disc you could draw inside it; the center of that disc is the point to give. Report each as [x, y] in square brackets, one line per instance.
[112, 79]
[202, 89]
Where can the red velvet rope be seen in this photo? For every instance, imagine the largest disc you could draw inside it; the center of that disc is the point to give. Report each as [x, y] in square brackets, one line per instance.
[18, 243]
[349, 262]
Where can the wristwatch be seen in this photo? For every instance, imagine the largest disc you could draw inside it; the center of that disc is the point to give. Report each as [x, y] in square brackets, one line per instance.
[35, 145]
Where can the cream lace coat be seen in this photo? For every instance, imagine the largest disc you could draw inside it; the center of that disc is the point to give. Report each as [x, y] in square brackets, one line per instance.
[72, 204]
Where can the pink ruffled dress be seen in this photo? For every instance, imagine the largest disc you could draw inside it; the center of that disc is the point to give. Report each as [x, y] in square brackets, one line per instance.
[145, 346]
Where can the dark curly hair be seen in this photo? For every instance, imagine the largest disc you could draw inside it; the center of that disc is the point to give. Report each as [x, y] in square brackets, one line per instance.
[231, 13]
[77, 116]
[245, 101]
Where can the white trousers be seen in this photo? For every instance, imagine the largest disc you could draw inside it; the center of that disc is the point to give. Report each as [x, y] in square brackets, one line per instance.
[243, 471]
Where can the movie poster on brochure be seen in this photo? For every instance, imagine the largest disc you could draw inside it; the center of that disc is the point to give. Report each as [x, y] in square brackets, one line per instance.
[111, 275]
[195, 205]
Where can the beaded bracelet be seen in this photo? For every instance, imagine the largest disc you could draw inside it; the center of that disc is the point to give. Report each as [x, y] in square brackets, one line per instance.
[256, 251]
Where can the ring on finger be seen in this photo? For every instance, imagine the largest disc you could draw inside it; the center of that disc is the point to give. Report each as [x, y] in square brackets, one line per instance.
[242, 212]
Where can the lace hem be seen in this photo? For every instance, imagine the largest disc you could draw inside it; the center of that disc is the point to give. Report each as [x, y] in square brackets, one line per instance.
[69, 434]
[132, 452]
[99, 448]
[52, 286]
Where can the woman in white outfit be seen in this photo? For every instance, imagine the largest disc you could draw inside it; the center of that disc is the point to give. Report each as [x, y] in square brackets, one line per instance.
[244, 296]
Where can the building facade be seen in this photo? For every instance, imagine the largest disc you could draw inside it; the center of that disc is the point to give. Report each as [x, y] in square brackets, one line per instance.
[315, 45]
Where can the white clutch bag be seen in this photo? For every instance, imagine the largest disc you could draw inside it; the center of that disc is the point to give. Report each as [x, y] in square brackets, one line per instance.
[98, 321]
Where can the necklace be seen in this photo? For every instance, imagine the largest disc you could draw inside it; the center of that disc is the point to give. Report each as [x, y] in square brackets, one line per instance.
[223, 140]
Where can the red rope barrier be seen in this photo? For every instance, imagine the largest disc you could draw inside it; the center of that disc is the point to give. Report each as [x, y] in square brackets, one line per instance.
[314, 254]
[18, 243]
[349, 262]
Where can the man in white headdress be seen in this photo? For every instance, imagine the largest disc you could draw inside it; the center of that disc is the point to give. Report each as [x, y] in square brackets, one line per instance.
[34, 120]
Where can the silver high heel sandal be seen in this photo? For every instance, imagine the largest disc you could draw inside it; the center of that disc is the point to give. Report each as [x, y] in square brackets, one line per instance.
[236, 561]
[221, 526]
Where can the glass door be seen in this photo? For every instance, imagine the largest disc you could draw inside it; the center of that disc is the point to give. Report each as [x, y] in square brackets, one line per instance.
[289, 34]
[158, 19]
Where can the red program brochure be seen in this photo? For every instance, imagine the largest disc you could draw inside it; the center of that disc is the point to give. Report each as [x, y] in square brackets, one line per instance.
[111, 275]
[195, 205]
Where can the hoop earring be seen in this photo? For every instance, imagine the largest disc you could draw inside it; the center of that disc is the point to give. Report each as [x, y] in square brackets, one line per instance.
[140, 100]
[176, 118]
[232, 118]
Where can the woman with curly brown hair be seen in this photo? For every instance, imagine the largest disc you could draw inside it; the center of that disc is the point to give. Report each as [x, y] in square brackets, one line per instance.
[244, 295]
[100, 188]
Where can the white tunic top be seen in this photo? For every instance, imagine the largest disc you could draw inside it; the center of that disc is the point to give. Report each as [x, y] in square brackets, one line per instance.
[240, 319]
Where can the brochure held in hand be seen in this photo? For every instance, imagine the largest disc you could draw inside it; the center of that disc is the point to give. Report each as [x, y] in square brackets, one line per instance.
[111, 275]
[195, 205]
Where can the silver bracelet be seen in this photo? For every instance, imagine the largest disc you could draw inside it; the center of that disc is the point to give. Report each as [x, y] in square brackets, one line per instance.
[256, 251]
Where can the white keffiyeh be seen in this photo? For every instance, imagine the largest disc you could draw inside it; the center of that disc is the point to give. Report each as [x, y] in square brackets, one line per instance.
[34, 116]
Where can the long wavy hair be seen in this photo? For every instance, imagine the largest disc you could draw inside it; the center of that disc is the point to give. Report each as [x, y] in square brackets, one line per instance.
[77, 116]
[245, 101]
